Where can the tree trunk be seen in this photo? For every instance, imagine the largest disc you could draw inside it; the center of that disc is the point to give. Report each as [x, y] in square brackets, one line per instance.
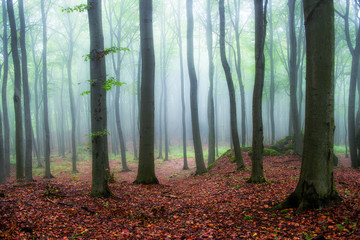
[100, 158]
[45, 96]
[4, 92]
[316, 188]
[272, 76]
[257, 173]
[71, 96]
[160, 156]
[183, 112]
[28, 125]
[293, 79]
[199, 158]
[17, 94]
[210, 109]
[146, 169]
[233, 117]
[2, 160]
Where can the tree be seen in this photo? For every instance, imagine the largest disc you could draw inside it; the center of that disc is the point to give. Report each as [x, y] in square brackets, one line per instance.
[28, 125]
[4, 92]
[293, 79]
[355, 54]
[17, 94]
[211, 114]
[257, 173]
[199, 158]
[230, 84]
[316, 188]
[237, 57]
[183, 112]
[146, 169]
[100, 158]
[272, 76]
[45, 95]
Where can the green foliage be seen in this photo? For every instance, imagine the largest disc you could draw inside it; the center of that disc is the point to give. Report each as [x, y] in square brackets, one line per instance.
[79, 8]
[107, 51]
[111, 82]
[98, 133]
[85, 93]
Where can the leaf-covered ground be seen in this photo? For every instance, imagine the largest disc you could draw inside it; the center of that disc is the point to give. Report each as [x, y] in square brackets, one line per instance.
[217, 205]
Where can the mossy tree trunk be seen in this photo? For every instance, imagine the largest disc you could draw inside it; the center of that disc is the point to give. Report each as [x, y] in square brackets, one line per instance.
[316, 188]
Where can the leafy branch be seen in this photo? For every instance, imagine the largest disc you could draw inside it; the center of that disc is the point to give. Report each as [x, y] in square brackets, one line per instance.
[107, 51]
[78, 8]
[99, 134]
[108, 85]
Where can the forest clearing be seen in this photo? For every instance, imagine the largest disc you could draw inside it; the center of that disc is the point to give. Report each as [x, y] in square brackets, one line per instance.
[217, 205]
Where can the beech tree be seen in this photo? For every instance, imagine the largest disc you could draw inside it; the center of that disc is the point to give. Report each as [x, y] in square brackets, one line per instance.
[17, 94]
[257, 173]
[230, 84]
[199, 158]
[316, 188]
[100, 158]
[146, 169]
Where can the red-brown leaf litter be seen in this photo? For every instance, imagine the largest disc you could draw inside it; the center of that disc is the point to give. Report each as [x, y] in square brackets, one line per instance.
[217, 205]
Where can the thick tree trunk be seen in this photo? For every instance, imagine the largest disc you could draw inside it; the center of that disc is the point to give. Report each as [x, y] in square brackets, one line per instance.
[146, 169]
[45, 96]
[257, 173]
[17, 94]
[230, 84]
[183, 112]
[293, 79]
[316, 188]
[28, 125]
[209, 41]
[4, 92]
[99, 138]
[199, 158]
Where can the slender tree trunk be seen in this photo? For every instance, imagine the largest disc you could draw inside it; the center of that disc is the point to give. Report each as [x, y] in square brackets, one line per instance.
[2, 159]
[209, 41]
[133, 125]
[272, 76]
[316, 188]
[45, 95]
[61, 143]
[17, 94]
[183, 111]
[199, 158]
[230, 84]
[160, 156]
[293, 79]
[146, 169]
[28, 125]
[100, 158]
[4, 92]
[257, 173]
[72, 103]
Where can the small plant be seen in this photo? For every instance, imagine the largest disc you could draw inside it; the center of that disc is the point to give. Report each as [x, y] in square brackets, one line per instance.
[78, 8]
[247, 218]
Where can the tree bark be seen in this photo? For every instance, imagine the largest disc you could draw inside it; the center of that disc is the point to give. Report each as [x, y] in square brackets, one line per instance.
[146, 169]
[4, 92]
[230, 84]
[17, 94]
[27, 111]
[293, 79]
[183, 112]
[316, 188]
[210, 109]
[2, 159]
[199, 158]
[100, 158]
[272, 75]
[257, 173]
[45, 96]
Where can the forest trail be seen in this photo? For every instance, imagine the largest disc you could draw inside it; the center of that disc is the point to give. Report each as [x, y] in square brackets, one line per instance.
[217, 205]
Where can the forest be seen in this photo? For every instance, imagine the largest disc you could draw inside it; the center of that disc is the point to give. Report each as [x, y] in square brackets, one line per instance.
[180, 119]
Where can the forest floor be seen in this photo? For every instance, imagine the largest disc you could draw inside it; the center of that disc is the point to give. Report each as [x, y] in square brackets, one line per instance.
[217, 205]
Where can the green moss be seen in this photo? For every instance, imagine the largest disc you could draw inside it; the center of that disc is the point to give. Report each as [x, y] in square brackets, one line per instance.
[267, 152]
